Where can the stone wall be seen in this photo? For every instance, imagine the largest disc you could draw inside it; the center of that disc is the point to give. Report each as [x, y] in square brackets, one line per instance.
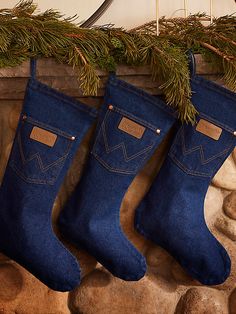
[166, 288]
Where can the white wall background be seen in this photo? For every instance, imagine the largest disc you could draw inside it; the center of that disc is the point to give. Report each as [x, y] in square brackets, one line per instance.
[130, 13]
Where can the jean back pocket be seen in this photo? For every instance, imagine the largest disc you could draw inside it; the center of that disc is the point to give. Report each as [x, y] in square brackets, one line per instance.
[39, 151]
[201, 152]
[124, 142]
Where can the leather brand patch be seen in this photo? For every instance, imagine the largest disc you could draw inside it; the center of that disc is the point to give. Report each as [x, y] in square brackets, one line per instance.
[43, 136]
[209, 129]
[131, 127]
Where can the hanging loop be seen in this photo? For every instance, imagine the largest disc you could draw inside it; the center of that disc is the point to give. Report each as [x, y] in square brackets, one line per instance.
[157, 17]
[186, 8]
[191, 63]
[33, 64]
[211, 11]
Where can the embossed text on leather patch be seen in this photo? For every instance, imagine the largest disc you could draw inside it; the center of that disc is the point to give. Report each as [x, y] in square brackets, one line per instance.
[131, 127]
[209, 129]
[43, 136]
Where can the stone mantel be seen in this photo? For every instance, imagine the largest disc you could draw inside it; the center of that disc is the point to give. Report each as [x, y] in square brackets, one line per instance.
[63, 77]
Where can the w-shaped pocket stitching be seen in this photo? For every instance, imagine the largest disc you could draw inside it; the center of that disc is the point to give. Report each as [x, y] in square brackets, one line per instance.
[199, 148]
[190, 149]
[122, 146]
[38, 157]
[35, 162]
[118, 151]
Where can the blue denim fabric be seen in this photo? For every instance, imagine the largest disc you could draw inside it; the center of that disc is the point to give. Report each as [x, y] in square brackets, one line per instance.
[32, 179]
[91, 217]
[171, 214]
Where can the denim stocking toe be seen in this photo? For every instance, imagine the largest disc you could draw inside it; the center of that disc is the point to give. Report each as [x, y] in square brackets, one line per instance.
[131, 125]
[49, 131]
[171, 214]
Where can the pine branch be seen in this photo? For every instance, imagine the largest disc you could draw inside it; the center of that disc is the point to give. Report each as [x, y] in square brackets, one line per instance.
[26, 33]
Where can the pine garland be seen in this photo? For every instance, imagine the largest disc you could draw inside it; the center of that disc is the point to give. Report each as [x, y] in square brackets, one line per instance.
[25, 34]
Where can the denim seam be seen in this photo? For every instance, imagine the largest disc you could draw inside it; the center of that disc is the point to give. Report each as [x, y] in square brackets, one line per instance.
[24, 161]
[186, 170]
[225, 127]
[194, 172]
[47, 127]
[28, 180]
[199, 148]
[112, 169]
[163, 106]
[101, 130]
[38, 156]
[214, 87]
[178, 163]
[122, 145]
[36, 85]
[135, 118]
[99, 133]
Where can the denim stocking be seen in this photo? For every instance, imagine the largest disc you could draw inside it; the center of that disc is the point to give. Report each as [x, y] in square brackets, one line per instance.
[50, 128]
[131, 125]
[171, 214]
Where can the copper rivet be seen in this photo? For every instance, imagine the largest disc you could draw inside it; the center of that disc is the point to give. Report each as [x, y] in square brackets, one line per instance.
[73, 138]
[110, 107]
[234, 133]
[24, 117]
[158, 131]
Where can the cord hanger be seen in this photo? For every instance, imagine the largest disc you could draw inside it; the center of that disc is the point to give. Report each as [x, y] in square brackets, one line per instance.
[157, 17]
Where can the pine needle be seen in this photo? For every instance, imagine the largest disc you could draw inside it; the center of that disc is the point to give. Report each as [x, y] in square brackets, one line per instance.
[25, 33]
